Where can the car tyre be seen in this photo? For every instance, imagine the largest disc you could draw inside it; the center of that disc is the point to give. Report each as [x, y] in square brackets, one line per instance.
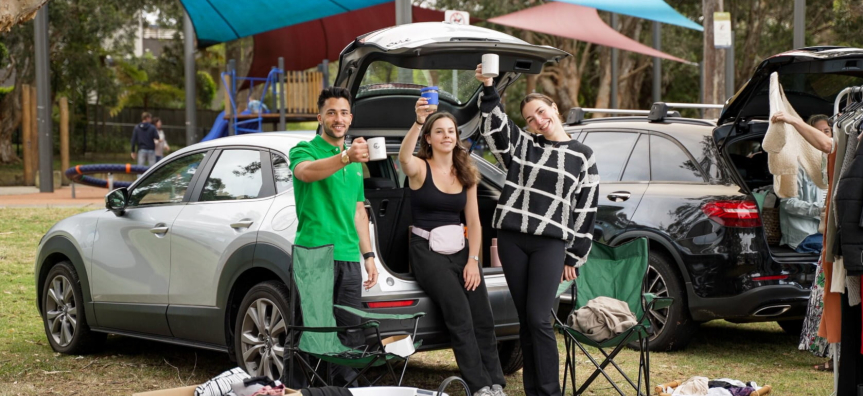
[791, 327]
[63, 313]
[673, 326]
[260, 330]
[511, 357]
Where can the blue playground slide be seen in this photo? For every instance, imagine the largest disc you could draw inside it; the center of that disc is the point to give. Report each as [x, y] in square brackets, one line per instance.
[220, 128]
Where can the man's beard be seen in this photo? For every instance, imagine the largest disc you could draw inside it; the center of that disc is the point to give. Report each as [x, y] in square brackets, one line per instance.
[331, 133]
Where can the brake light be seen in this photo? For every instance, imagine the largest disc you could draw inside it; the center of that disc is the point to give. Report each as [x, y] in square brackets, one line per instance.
[770, 278]
[733, 213]
[391, 304]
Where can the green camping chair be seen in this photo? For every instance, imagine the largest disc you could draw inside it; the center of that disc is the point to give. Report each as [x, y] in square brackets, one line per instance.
[312, 271]
[617, 272]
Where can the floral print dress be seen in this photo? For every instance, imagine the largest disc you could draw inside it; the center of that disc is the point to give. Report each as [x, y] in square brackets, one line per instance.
[809, 339]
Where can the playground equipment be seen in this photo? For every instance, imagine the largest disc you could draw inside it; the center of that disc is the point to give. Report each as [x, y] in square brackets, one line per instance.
[79, 174]
[292, 95]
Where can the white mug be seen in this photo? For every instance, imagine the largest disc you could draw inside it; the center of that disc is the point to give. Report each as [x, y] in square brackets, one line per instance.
[490, 65]
[377, 149]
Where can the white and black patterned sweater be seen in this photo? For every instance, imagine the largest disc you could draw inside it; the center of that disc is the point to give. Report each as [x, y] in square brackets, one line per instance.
[551, 187]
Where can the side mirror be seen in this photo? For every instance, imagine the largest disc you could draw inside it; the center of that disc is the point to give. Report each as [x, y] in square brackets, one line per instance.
[115, 201]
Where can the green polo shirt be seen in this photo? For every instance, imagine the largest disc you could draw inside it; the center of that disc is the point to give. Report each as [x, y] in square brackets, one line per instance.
[326, 208]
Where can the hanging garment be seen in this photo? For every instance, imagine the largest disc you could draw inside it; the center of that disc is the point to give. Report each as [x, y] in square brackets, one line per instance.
[831, 317]
[809, 339]
[786, 149]
[849, 201]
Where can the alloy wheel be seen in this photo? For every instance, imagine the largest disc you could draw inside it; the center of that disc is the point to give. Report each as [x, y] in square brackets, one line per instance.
[61, 311]
[656, 285]
[263, 339]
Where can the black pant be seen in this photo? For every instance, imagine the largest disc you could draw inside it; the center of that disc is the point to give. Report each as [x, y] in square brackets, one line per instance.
[467, 314]
[533, 266]
[347, 291]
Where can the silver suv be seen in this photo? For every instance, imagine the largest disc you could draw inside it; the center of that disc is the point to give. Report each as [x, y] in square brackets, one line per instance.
[196, 252]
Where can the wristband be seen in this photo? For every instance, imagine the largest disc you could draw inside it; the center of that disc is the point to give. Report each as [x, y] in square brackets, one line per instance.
[419, 123]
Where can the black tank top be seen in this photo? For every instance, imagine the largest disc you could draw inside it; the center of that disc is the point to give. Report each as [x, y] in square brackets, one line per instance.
[432, 208]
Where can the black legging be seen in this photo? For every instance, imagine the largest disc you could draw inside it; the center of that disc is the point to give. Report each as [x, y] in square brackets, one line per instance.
[533, 266]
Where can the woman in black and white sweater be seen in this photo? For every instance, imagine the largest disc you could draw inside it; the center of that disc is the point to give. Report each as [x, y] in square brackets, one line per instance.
[544, 218]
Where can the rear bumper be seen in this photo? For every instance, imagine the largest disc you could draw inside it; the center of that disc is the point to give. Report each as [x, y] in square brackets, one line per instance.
[761, 304]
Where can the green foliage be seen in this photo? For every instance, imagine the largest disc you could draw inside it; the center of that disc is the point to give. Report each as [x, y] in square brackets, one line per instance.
[205, 89]
[4, 91]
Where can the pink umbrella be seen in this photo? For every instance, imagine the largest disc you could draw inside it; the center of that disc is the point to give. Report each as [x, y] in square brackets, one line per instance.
[578, 23]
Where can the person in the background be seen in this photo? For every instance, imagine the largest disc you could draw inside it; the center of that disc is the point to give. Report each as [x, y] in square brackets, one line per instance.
[162, 147]
[144, 138]
[799, 216]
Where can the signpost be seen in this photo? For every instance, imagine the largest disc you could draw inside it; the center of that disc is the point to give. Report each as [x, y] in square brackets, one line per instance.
[457, 17]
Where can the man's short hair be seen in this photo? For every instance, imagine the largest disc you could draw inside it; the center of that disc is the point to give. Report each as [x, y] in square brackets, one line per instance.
[144, 116]
[333, 92]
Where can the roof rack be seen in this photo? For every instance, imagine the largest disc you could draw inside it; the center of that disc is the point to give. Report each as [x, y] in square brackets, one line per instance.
[659, 109]
[576, 114]
[658, 112]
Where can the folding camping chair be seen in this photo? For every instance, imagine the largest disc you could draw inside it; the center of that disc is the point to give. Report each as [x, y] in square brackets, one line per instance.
[617, 272]
[312, 271]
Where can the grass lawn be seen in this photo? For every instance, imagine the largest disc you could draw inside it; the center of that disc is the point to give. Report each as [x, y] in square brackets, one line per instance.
[753, 352]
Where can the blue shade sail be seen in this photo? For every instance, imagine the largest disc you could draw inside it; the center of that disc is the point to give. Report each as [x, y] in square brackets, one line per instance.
[654, 10]
[218, 21]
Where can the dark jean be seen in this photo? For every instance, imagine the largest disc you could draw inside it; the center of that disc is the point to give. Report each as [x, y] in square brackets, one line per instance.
[533, 266]
[467, 314]
[812, 244]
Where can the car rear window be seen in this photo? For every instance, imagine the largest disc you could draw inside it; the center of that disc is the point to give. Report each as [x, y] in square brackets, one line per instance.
[384, 78]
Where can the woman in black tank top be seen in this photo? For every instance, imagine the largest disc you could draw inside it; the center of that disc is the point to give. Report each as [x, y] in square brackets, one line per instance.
[443, 181]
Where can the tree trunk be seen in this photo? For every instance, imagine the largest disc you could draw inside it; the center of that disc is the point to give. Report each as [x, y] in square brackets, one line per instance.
[14, 12]
[603, 96]
[10, 119]
[714, 69]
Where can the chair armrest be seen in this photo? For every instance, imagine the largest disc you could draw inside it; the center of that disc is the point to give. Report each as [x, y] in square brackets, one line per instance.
[654, 302]
[380, 316]
[340, 329]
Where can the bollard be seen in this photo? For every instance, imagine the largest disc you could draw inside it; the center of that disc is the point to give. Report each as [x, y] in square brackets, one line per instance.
[73, 190]
[110, 181]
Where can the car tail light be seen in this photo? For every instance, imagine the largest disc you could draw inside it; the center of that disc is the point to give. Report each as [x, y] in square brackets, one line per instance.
[391, 304]
[769, 278]
[733, 213]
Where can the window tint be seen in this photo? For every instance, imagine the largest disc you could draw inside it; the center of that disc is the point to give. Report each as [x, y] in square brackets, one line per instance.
[237, 175]
[668, 162]
[611, 150]
[638, 167]
[168, 183]
[281, 173]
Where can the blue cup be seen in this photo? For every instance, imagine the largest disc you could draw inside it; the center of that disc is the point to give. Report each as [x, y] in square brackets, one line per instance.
[431, 93]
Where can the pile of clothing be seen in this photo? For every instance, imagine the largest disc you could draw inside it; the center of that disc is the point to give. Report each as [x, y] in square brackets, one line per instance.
[602, 318]
[701, 386]
[236, 382]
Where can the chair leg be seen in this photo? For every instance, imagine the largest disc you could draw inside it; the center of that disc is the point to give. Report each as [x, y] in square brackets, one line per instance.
[362, 374]
[599, 370]
[404, 369]
[566, 369]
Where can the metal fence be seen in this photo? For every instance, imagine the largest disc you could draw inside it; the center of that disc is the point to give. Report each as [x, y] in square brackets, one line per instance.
[103, 134]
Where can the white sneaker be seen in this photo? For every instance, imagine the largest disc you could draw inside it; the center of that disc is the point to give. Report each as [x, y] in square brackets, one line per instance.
[497, 390]
[484, 391]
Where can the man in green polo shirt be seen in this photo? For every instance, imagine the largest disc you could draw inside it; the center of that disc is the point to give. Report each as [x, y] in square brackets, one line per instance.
[328, 189]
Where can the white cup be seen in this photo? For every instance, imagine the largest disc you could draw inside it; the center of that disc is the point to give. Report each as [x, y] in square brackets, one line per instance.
[490, 65]
[377, 149]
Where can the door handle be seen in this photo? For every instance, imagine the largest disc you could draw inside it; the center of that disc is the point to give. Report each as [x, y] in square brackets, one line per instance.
[242, 224]
[619, 196]
[383, 210]
[159, 230]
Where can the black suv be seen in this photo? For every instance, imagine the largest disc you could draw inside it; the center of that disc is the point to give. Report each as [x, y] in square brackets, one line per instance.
[686, 185]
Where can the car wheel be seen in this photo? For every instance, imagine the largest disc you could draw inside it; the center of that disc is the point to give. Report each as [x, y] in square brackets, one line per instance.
[63, 313]
[260, 331]
[673, 327]
[511, 358]
[792, 327]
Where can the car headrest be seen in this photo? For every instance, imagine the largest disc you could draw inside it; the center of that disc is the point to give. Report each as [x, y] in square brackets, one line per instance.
[378, 183]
